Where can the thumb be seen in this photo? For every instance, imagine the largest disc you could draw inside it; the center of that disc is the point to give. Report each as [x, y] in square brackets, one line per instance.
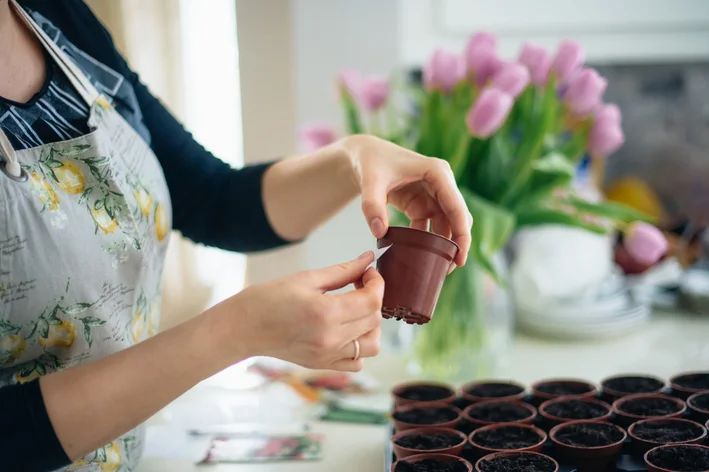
[374, 207]
[341, 275]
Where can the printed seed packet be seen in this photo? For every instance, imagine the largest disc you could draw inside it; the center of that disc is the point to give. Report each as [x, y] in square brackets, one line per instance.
[305, 447]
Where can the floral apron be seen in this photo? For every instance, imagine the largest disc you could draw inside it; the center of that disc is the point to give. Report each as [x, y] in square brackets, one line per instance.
[84, 226]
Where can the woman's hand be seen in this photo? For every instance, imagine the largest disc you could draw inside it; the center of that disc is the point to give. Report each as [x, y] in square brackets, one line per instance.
[295, 319]
[421, 187]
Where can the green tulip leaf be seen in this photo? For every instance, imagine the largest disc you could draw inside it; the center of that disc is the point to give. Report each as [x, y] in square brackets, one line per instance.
[611, 210]
[549, 216]
[555, 164]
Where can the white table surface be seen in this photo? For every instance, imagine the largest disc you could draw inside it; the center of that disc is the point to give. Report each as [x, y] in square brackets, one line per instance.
[670, 343]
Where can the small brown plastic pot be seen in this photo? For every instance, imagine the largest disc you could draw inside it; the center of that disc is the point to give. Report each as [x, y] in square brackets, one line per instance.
[402, 451]
[651, 467]
[610, 394]
[512, 455]
[550, 420]
[413, 269]
[480, 451]
[403, 426]
[444, 458]
[474, 423]
[681, 390]
[583, 389]
[471, 398]
[588, 459]
[699, 414]
[400, 399]
[641, 446]
[626, 419]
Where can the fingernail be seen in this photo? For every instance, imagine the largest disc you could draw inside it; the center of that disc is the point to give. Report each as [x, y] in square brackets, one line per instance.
[377, 226]
[452, 267]
[366, 255]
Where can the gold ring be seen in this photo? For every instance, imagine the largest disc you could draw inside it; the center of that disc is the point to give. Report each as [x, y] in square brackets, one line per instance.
[357, 350]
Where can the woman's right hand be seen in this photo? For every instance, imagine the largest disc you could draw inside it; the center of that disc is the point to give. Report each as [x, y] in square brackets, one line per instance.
[295, 318]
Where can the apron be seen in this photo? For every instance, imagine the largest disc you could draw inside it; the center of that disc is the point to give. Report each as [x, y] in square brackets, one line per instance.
[84, 226]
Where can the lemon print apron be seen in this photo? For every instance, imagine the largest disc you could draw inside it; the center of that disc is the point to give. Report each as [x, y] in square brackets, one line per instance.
[84, 226]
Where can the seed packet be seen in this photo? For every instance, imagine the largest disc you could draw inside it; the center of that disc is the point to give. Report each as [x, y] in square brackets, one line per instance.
[306, 447]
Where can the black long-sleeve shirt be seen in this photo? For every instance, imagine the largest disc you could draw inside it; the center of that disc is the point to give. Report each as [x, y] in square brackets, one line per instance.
[26, 433]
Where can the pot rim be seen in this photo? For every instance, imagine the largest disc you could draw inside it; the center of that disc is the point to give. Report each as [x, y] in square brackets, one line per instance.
[675, 386]
[403, 386]
[409, 235]
[694, 407]
[533, 411]
[660, 443]
[647, 454]
[410, 432]
[418, 405]
[427, 455]
[552, 401]
[466, 395]
[618, 393]
[542, 434]
[638, 396]
[496, 455]
[557, 428]
[558, 380]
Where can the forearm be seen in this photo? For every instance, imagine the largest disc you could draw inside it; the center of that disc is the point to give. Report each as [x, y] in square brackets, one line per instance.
[126, 388]
[300, 193]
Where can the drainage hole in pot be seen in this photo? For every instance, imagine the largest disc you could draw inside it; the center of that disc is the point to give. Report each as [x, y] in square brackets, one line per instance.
[431, 465]
[680, 458]
[518, 463]
[576, 410]
[701, 401]
[426, 415]
[494, 390]
[699, 381]
[667, 431]
[650, 406]
[589, 435]
[506, 437]
[634, 384]
[424, 393]
[499, 412]
[561, 389]
[429, 442]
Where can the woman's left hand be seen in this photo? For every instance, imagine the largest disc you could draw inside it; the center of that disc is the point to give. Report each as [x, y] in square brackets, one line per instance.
[421, 187]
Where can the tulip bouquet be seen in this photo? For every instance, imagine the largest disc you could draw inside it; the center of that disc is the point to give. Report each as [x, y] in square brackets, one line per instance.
[514, 133]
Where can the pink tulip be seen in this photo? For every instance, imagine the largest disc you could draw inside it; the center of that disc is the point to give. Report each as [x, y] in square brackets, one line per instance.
[481, 62]
[585, 91]
[316, 136]
[374, 93]
[645, 243]
[606, 134]
[537, 60]
[443, 71]
[489, 112]
[569, 58]
[351, 81]
[608, 112]
[512, 78]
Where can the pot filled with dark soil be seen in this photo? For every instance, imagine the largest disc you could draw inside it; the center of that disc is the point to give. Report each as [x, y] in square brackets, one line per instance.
[516, 462]
[417, 415]
[418, 392]
[428, 440]
[619, 386]
[587, 444]
[633, 408]
[413, 268]
[563, 409]
[678, 458]
[648, 434]
[489, 412]
[432, 463]
[699, 406]
[687, 384]
[475, 392]
[554, 388]
[506, 437]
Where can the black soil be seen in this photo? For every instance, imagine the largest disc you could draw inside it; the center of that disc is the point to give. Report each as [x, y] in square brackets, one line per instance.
[521, 463]
[667, 431]
[494, 390]
[560, 389]
[426, 415]
[589, 435]
[425, 393]
[694, 381]
[499, 412]
[681, 458]
[634, 384]
[701, 401]
[430, 465]
[649, 407]
[429, 442]
[576, 410]
[506, 437]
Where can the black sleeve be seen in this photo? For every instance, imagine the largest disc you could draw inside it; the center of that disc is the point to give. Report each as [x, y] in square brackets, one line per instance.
[27, 437]
[213, 204]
